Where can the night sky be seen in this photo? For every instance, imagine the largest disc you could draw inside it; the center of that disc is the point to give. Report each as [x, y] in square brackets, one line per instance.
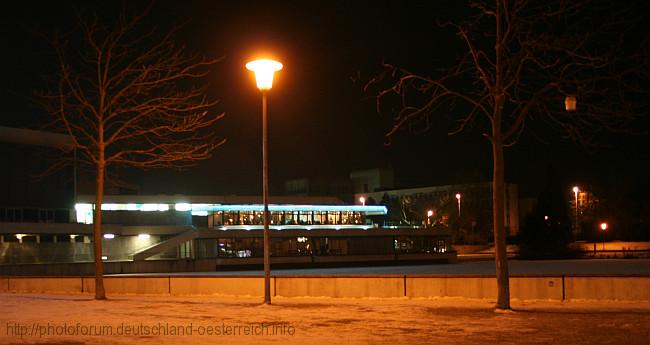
[322, 124]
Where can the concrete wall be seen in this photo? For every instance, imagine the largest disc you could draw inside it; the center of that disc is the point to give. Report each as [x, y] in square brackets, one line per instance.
[608, 288]
[331, 286]
[242, 285]
[129, 285]
[528, 288]
[470, 287]
[632, 288]
[37, 284]
[522, 288]
[4, 284]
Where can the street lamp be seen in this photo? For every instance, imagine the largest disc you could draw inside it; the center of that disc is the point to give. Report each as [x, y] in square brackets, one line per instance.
[575, 227]
[362, 200]
[458, 198]
[264, 70]
[429, 215]
[570, 103]
[603, 227]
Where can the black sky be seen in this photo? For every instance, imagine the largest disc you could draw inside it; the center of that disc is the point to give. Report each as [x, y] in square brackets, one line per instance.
[321, 122]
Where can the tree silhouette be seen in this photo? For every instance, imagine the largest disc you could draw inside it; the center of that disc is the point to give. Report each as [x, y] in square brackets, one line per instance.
[128, 95]
[522, 59]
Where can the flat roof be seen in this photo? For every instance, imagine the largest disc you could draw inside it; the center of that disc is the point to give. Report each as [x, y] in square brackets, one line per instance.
[210, 199]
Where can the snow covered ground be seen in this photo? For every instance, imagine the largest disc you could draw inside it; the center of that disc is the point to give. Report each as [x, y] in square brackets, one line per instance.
[63, 319]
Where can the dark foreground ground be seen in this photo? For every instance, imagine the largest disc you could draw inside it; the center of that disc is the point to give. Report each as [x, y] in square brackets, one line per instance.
[77, 319]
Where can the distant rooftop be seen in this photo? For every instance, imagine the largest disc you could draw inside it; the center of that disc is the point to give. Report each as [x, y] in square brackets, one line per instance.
[212, 199]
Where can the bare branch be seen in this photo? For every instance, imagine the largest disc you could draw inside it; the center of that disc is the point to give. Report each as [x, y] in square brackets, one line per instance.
[132, 97]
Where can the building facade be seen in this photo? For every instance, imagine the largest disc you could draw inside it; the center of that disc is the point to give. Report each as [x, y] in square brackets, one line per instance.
[466, 208]
[222, 232]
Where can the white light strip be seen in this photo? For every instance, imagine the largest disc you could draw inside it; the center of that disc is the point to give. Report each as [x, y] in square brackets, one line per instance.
[379, 209]
[183, 207]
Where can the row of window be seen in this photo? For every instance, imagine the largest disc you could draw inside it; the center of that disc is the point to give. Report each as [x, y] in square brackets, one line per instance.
[320, 246]
[34, 215]
[287, 218]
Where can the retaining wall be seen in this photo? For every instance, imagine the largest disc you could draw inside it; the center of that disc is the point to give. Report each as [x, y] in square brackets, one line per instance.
[632, 288]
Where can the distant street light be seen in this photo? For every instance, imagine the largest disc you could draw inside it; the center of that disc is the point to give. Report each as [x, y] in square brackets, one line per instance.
[362, 200]
[429, 215]
[575, 227]
[458, 198]
[603, 227]
[264, 70]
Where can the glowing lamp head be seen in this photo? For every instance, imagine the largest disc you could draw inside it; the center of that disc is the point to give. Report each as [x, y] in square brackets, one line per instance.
[429, 213]
[570, 103]
[264, 70]
[603, 226]
[458, 196]
[362, 200]
[576, 189]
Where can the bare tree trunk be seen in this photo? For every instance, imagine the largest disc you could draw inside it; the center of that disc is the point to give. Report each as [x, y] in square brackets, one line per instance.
[100, 293]
[498, 184]
[498, 196]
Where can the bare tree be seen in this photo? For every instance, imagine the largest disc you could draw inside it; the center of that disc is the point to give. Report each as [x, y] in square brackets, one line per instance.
[522, 60]
[129, 96]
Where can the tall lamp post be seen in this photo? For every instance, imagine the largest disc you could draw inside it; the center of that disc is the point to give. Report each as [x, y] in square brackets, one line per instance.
[264, 70]
[458, 198]
[575, 226]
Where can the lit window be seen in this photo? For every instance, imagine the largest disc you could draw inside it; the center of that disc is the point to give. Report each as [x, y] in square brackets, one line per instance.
[182, 207]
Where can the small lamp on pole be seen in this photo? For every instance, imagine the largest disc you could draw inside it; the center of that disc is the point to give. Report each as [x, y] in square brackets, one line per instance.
[576, 190]
[570, 103]
[603, 227]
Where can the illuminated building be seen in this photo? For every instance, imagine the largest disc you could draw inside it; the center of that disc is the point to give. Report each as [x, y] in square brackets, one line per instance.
[161, 232]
